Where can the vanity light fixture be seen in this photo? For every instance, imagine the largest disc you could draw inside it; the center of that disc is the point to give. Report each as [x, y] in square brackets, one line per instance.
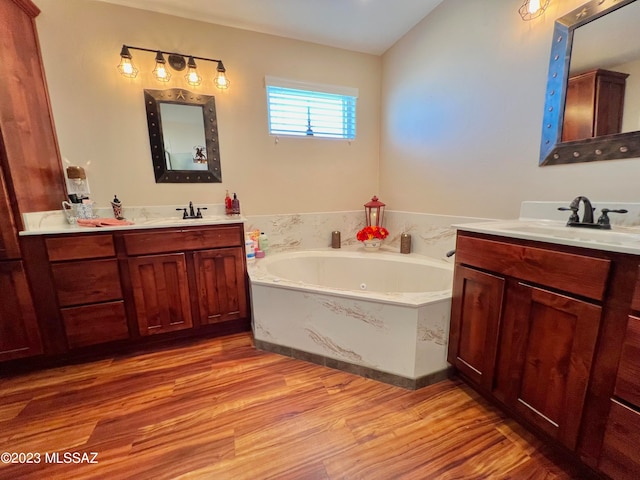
[192, 76]
[531, 9]
[177, 62]
[160, 72]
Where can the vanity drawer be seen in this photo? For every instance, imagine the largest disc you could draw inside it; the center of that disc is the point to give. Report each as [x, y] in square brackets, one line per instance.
[182, 239]
[628, 381]
[93, 324]
[577, 274]
[95, 281]
[80, 246]
[619, 457]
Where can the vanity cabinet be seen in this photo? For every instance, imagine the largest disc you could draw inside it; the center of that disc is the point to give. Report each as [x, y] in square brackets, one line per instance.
[524, 327]
[86, 280]
[106, 290]
[187, 278]
[594, 105]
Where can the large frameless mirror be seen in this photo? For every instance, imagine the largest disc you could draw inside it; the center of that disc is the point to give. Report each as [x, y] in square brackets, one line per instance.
[183, 135]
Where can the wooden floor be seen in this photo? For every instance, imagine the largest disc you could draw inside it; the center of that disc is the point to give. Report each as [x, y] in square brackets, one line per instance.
[219, 409]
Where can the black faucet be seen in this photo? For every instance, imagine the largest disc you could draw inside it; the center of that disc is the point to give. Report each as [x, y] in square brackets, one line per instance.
[191, 214]
[587, 217]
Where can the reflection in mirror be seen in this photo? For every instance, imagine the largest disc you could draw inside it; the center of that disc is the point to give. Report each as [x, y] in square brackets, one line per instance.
[595, 68]
[609, 45]
[183, 135]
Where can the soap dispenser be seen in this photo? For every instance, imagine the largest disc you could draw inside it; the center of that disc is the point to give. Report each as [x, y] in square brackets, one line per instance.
[235, 205]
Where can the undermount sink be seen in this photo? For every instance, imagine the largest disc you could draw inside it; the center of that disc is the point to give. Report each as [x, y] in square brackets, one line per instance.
[620, 239]
[178, 220]
[593, 235]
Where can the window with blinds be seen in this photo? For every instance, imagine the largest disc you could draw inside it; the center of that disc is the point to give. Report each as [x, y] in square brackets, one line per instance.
[307, 109]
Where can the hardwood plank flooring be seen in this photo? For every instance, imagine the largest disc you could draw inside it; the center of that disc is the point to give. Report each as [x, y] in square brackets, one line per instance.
[220, 409]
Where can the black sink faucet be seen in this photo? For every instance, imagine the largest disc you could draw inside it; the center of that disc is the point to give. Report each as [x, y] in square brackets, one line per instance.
[191, 213]
[587, 219]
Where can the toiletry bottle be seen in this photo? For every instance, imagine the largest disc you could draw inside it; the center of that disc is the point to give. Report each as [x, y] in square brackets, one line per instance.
[116, 205]
[227, 204]
[235, 205]
[263, 241]
[248, 247]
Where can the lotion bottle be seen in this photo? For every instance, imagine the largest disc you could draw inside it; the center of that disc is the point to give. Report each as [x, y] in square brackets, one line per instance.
[228, 209]
[235, 205]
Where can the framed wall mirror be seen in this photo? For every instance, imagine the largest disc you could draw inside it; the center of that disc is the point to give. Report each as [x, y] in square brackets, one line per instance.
[592, 105]
[183, 135]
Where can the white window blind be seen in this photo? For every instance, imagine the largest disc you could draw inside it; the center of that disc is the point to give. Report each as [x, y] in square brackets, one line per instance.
[308, 109]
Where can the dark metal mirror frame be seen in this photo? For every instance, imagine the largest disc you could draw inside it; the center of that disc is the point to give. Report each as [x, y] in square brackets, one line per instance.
[607, 147]
[152, 100]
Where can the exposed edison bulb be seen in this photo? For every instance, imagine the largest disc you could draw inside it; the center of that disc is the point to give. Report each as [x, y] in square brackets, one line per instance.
[192, 76]
[221, 81]
[160, 72]
[126, 67]
[534, 6]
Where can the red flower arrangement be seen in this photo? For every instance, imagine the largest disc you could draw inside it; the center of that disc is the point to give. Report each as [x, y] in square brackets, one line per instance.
[371, 232]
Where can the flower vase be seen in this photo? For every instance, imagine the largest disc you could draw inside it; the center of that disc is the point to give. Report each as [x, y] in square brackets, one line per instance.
[372, 245]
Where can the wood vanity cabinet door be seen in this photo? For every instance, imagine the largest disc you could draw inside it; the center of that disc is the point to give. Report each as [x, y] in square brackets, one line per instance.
[553, 342]
[9, 247]
[220, 276]
[161, 293]
[19, 333]
[475, 320]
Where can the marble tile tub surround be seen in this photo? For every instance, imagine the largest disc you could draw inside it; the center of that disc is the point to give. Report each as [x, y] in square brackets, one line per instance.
[431, 235]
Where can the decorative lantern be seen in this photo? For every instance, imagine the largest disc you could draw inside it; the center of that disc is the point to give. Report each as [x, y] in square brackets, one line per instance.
[374, 212]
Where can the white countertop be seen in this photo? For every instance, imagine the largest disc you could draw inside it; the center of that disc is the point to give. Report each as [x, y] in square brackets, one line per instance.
[543, 222]
[55, 221]
[618, 239]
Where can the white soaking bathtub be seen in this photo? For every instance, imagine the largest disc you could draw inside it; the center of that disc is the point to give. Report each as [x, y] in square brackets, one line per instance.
[377, 314]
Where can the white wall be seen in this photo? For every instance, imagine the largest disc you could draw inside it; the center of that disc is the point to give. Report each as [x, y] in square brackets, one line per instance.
[463, 96]
[101, 123]
[631, 112]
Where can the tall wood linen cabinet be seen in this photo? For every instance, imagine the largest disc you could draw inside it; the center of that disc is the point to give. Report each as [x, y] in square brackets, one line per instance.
[31, 176]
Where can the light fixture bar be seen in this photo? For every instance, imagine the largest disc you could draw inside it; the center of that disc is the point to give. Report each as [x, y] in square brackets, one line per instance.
[127, 69]
[171, 53]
